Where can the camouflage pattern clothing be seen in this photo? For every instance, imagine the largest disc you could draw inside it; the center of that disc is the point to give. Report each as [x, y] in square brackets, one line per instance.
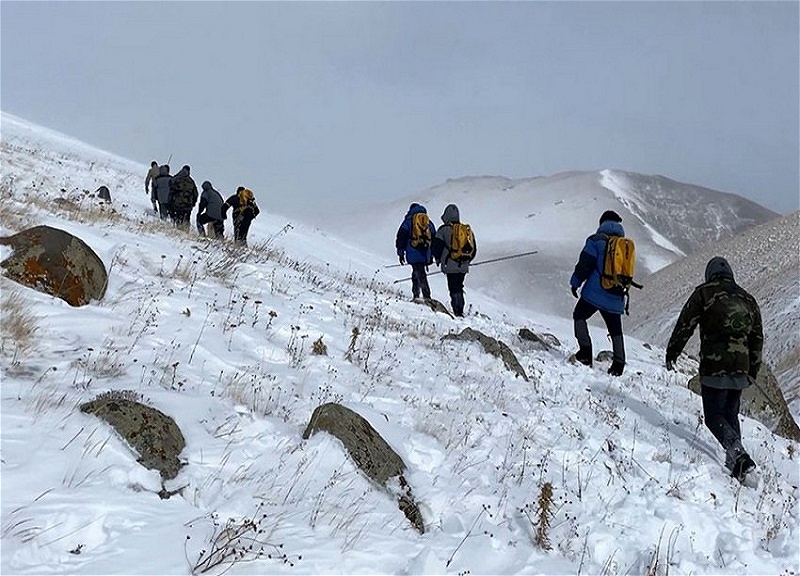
[731, 334]
[182, 191]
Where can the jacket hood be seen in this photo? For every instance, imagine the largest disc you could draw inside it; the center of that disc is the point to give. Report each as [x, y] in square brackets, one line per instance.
[718, 266]
[207, 185]
[450, 214]
[611, 228]
[184, 172]
[163, 170]
[415, 209]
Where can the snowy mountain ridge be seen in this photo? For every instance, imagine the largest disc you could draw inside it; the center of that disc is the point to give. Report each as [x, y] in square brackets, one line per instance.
[223, 340]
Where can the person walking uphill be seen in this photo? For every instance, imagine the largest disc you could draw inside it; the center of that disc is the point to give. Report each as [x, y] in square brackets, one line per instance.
[161, 185]
[593, 297]
[244, 212]
[731, 342]
[150, 183]
[413, 244]
[182, 197]
[454, 247]
[210, 210]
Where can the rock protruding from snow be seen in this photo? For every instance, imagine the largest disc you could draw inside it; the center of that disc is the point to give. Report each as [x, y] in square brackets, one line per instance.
[371, 453]
[493, 346]
[540, 341]
[151, 433]
[57, 263]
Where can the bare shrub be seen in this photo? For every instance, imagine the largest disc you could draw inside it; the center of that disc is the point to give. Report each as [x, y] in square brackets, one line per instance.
[19, 326]
[319, 348]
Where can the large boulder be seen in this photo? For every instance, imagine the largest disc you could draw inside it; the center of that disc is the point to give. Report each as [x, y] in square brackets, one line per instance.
[57, 263]
[493, 346]
[763, 401]
[151, 433]
[369, 451]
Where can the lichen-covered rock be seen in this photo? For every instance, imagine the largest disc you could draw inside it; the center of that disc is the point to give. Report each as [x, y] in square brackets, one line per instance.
[151, 433]
[764, 401]
[57, 263]
[492, 346]
[434, 305]
[540, 341]
[369, 451]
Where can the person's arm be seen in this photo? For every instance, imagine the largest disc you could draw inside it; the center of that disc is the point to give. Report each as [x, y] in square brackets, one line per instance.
[755, 343]
[587, 263]
[684, 327]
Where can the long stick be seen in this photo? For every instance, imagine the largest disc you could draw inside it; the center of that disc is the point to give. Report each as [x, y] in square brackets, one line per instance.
[500, 259]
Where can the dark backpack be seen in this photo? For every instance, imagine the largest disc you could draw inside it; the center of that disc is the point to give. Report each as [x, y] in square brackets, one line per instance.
[420, 231]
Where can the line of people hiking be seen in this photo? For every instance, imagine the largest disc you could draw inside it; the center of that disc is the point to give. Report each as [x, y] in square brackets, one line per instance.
[174, 198]
[731, 333]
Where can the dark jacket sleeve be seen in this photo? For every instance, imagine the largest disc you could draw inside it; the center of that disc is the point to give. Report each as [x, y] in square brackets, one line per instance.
[437, 248]
[401, 240]
[583, 269]
[684, 327]
[755, 343]
[203, 204]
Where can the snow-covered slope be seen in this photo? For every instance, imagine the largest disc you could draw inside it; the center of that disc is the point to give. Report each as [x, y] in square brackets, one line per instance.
[554, 215]
[766, 262]
[221, 340]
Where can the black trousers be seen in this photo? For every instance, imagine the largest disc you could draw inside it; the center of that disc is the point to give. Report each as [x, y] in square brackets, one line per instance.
[219, 225]
[721, 412]
[455, 285]
[240, 229]
[583, 311]
[181, 217]
[419, 280]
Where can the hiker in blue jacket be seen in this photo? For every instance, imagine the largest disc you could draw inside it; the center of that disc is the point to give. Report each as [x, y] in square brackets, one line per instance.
[415, 249]
[593, 297]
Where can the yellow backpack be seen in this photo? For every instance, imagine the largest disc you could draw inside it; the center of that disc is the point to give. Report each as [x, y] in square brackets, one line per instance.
[619, 264]
[420, 231]
[462, 243]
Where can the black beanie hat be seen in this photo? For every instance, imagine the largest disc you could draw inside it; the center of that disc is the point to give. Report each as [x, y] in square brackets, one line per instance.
[610, 215]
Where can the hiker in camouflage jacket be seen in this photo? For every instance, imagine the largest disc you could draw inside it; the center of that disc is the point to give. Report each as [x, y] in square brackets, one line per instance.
[182, 197]
[731, 340]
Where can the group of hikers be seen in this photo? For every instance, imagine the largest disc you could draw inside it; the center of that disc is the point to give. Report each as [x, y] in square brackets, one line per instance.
[731, 332]
[174, 198]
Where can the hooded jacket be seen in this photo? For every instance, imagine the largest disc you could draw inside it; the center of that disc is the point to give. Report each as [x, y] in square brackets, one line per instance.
[182, 191]
[589, 270]
[731, 332]
[211, 202]
[403, 240]
[162, 184]
[441, 244]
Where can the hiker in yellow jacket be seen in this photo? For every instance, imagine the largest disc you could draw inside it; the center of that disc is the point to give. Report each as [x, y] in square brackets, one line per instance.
[244, 212]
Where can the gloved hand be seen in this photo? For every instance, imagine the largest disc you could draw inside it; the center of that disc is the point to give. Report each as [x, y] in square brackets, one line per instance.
[574, 291]
[402, 260]
[670, 364]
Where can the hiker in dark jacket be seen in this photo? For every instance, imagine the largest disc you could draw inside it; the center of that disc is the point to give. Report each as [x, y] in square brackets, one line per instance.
[593, 297]
[182, 197]
[210, 210]
[454, 271]
[418, 256]
[161, 185]
[244, 212]
[150, 183]
[731, 341]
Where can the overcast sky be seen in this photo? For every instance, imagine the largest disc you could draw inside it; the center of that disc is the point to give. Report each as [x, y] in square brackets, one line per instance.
[323, 105]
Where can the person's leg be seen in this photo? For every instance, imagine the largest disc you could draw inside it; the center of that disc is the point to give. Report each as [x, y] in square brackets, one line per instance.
[202, 220]
[423, 281]
[415, 275]
[582, 312]
[455, 285]
[614, 327]
[219, 228]
[244, 228]
[714, 412]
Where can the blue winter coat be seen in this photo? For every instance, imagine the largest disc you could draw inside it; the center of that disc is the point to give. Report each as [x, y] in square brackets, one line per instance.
[403, 240]
[590, 267]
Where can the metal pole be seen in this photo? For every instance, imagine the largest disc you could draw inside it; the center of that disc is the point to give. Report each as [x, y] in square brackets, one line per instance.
[500, 259]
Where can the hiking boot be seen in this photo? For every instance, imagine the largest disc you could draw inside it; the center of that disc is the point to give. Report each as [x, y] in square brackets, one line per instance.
[742, 466]
[584, 356]
[616, 368]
